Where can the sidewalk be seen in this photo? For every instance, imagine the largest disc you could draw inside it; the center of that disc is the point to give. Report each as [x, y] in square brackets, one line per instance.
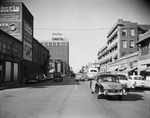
[16, 84]
[12, 84]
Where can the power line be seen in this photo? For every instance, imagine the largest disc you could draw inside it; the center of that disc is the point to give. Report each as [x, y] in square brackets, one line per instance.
[70, 29]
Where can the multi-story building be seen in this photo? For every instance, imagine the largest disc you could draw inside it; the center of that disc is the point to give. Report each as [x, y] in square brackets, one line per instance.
[20, 54]
[144, 55]
[59, 50]
[120, 51]
[10, 57]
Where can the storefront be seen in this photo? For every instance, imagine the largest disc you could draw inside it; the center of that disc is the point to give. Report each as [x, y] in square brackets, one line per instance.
[10, 56]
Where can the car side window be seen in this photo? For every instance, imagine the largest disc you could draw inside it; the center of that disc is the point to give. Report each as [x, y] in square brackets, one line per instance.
[130, 78]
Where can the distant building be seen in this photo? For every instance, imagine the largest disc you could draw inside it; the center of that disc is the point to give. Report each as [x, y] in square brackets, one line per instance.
[59, 50]
[121, 52]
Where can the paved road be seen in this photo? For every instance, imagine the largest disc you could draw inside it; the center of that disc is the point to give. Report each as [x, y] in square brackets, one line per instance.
[68, 99]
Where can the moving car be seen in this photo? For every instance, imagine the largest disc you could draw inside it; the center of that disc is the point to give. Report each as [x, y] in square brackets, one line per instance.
[92, 72]
[107, 85]
[57, 76]
[78, 76]
[124, 81]
[138, 81]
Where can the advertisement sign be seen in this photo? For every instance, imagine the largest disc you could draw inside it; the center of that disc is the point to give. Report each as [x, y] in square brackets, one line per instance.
[10, 19]
[13, 28]
[27, 50]
[27, 43]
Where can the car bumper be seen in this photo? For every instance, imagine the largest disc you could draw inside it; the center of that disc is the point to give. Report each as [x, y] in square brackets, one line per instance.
[140, 86]
[57, 79]
[111, 94]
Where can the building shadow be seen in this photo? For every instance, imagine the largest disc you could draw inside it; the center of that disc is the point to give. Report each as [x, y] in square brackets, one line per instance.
[45, 84]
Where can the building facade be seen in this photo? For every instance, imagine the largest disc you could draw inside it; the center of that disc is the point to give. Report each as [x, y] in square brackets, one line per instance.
[59, 54]
[10, 57]
[21, 55]
[121, 52]
[144, 55]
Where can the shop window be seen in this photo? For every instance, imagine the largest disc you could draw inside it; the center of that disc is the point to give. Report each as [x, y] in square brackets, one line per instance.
[124, 32]
[131, 44]
[124, 44]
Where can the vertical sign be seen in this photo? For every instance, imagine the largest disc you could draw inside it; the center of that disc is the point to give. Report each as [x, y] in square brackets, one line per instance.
[10, 19]
[27, 42]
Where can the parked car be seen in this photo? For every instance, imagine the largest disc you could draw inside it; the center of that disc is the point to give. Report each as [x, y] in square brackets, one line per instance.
[33, 78]
[124, 80]
[107, 85]
[57, 76]
[42, 77]
[138, 81]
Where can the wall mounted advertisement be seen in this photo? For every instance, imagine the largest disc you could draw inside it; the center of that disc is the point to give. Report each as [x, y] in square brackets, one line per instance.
[27, 41]
[13, 28]
[10, 19]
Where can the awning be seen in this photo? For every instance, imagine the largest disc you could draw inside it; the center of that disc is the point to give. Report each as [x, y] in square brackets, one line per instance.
[123, 69]
[147, 69]
[130, 69]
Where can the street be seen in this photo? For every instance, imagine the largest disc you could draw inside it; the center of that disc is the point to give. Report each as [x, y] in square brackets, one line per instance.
[69, 99]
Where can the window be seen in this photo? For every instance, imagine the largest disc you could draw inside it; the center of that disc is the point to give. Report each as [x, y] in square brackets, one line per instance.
[124, 44]
[46, 44]
[4, 48]
[0, 46]
[124, 32]
[131, 32]
[131, 44]
[123, 53]
[8, 49]
[145, 49]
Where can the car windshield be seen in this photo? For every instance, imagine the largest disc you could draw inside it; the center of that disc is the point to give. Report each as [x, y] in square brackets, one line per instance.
[122, 77]
[139, 78]
[108, 78]
[93, 70]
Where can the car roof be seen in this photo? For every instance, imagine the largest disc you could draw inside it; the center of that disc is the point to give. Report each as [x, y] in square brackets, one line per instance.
[120, 74]
[136, 76]
[107, 74]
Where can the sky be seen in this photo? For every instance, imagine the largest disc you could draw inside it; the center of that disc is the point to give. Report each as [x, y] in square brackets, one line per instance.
[84, 23]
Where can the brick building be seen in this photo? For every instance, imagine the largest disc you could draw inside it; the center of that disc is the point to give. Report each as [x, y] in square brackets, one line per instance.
[120, 52]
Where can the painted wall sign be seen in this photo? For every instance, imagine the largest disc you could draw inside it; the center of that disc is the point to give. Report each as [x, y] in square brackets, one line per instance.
[10, 19]
[27, 41]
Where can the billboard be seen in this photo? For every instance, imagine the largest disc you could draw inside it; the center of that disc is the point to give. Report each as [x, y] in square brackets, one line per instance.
[10, 19]
[27, 42]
